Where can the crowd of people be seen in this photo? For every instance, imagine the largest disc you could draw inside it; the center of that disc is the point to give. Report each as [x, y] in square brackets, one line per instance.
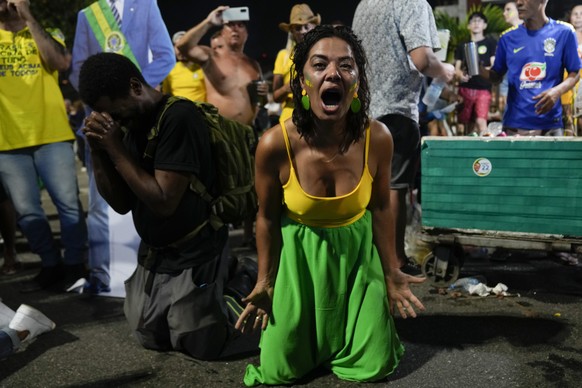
[482, 100]
[332, 172]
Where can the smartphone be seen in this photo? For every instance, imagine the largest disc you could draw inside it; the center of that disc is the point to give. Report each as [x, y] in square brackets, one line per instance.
[235, 14]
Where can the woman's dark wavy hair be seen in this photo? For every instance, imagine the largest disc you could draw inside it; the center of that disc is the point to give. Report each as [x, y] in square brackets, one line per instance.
[106, 75]
[357, 122]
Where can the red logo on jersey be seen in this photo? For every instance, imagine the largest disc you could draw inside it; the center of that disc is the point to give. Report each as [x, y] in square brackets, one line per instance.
[533, 71]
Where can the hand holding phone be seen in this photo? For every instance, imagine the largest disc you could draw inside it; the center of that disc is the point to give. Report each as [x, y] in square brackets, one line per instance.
[235, 14]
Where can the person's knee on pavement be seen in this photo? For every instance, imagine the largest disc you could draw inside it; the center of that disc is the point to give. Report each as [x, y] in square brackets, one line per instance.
[205, 344]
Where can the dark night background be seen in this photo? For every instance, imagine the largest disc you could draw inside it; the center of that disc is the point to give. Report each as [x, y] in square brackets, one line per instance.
[265, 37]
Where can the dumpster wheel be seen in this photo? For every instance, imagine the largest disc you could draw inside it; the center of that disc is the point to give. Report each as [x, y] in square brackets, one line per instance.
[443, 265]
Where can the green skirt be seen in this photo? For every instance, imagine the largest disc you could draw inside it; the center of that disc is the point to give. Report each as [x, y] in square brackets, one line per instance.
[330, 308]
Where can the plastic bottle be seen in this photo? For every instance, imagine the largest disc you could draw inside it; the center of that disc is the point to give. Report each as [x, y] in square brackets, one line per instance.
[465, 283]
[493, 129]
[433, 92]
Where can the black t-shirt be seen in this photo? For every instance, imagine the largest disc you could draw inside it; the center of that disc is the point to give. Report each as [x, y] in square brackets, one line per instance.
[184, 146]
[486, 49]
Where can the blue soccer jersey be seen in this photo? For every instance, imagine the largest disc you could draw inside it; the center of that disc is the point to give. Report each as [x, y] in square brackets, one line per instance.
[535, 62]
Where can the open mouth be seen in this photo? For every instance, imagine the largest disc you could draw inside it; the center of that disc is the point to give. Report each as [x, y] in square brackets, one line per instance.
[331, 97]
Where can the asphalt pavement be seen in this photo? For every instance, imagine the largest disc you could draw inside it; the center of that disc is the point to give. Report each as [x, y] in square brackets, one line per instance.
[530, 339]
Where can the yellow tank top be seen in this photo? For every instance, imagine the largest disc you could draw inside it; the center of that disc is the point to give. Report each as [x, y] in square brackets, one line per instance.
[326, 211]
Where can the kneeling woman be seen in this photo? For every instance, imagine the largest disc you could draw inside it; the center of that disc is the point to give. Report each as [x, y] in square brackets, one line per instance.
[328, 275]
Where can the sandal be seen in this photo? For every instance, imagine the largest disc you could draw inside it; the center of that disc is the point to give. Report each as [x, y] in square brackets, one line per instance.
[10, 269]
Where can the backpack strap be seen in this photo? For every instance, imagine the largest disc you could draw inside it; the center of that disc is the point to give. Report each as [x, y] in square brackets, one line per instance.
[152, 144]
[195, 184]
[199, 188]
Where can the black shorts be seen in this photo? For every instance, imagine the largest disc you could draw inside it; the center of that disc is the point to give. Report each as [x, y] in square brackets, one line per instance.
[406, 137]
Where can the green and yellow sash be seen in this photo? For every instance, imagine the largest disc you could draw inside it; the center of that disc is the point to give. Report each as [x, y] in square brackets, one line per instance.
[107, 31]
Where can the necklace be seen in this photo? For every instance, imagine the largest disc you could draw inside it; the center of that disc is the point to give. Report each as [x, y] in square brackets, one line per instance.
[332, 158]
[324, 158]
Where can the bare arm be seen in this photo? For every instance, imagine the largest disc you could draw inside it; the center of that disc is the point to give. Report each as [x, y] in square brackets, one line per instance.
[383, 225]
[189, 46]
[120, 177]
[269, 160]
[110, 184]
[428, 64]
[280, 90]
[53, 54]
[548, 98]
[459, 73]
[491, 62]
[490, 74]
[270, 194]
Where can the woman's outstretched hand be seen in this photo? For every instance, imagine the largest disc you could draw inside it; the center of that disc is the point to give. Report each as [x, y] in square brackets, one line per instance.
[257, 312]
[399, 294]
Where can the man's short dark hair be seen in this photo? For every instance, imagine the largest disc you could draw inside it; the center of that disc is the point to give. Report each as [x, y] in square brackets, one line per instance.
[106, 75]
[477, 14]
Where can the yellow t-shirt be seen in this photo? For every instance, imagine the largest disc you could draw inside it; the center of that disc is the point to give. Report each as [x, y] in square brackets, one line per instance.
[283, 65]
[186, 81]
[568, 97]
[32, 108]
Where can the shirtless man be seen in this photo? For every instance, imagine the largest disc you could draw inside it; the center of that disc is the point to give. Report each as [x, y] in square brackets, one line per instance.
[228, 71]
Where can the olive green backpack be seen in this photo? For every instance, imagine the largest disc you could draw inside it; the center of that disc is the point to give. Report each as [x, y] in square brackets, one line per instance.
[231, 143]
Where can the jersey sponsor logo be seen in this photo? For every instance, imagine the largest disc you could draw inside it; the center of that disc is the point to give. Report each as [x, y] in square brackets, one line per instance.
[516, 50]
[532, 74]
[533, 71]
[549, 46]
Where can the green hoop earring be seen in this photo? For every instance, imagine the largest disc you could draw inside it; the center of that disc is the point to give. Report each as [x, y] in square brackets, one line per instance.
[305, 100]
[356, 104]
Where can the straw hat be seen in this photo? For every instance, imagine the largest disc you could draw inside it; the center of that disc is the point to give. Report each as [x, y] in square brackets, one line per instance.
[300, 14]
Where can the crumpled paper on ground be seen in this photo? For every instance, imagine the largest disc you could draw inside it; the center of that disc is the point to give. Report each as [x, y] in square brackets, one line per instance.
[482, 290]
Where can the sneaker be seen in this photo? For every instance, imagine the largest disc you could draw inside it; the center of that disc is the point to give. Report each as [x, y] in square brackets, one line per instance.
[234, 308]
[47, 277]
[500, 255]
[6, 315]
[73, 277]
[244, 279]
[232, 266]
[95, 287]
[28, 318]
[410, 267]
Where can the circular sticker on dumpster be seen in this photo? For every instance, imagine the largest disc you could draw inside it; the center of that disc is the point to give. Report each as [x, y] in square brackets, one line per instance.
[482, 167]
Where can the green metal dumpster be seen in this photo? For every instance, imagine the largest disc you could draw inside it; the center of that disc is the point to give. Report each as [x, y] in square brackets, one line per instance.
[511, 192]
